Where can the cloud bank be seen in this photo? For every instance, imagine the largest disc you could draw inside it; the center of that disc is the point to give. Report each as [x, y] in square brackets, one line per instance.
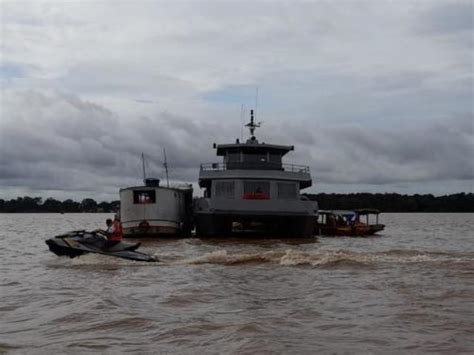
[376, 96]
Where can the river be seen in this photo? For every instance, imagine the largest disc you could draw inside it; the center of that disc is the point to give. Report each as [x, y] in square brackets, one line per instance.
[410, 289]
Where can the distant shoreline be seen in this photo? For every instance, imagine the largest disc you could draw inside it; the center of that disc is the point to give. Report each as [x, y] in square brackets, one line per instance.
[386, 202]
[3, 213]
[393, 202]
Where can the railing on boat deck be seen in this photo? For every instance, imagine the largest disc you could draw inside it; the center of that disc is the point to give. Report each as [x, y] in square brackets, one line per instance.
[255, 166]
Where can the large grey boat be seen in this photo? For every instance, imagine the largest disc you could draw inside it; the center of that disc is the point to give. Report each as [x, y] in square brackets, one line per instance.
[252, 189]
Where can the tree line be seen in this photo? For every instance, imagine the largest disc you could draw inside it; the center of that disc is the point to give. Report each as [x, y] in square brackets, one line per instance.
[393, 202]
[387, 202]
[36, 204]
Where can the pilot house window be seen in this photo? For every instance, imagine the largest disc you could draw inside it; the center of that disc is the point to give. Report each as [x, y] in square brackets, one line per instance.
[255, 158]
[256, 190]
[233, 157]
[225, 189]
[275, 158]
[286, 190]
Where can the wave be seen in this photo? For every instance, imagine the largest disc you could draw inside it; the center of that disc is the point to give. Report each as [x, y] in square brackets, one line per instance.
[4, 347]
[324, 258]
[288, 257]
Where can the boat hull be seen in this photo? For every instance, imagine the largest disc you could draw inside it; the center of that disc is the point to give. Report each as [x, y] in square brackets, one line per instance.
[281, 225]
[145, 229]
[375, 228]
[358, 230]
[165, 212]
[288, 218]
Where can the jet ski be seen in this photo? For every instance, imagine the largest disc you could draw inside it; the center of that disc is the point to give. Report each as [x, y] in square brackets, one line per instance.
[76, 243]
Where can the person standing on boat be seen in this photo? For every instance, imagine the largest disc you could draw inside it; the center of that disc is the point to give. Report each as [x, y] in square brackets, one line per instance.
[114, 232]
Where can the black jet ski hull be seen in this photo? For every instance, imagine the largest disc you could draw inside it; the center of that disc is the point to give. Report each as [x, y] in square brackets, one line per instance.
[77, 243]
[61, 250]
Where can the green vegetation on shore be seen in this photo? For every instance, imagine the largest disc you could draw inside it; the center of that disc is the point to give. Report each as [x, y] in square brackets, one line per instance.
[36, 204]
[392, 202]
[388, 202]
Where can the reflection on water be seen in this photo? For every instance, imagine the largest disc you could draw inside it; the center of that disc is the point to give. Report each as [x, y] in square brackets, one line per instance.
[409, 289]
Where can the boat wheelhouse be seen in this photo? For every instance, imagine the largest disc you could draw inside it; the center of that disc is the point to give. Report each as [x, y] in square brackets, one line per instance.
[252, 187]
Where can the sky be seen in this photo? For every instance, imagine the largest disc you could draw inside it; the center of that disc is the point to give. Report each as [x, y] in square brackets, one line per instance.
[376, 96]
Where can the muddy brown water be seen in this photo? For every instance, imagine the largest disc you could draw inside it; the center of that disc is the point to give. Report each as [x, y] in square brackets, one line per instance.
[408, 290]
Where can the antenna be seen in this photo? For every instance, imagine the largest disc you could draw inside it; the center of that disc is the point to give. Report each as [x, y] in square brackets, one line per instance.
[252, 125]
[143, 167]
[256, 100]
[165, 164]
[242, 122]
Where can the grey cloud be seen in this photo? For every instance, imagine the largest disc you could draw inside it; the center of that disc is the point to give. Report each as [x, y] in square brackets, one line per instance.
[379, 156]
[110, 78]
[448, 17]
[409, 80]
[337, 154]
[65, 142]
[38, 127]
[369, 92]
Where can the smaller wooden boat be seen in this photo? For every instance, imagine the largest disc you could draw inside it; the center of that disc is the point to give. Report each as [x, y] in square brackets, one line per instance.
[346, 223]
[367, 212]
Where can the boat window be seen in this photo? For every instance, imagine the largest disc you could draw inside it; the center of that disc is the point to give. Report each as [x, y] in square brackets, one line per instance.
[275, 158]
[257, 188]
[233, 157]
[286, 190]
[225, 189]
[144, 196]
[255, 158]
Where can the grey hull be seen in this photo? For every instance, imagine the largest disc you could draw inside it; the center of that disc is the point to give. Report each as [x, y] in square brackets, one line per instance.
[221, 225]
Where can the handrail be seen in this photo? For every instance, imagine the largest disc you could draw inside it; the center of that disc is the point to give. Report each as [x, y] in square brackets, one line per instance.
[255, 166]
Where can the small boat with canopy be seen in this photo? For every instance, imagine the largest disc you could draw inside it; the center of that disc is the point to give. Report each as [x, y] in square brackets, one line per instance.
[347, 222]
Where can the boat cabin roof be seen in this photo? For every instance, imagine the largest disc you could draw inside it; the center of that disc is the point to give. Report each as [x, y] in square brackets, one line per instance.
[365, 211]
[360, 212]
[256, 147]
[183, 188]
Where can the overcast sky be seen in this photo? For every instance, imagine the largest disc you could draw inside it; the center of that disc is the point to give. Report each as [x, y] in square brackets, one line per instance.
[376, 96]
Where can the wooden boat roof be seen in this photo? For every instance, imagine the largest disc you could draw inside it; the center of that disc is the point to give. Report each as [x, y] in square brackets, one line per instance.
[364, 211]
[337, 212]
[360, 212]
